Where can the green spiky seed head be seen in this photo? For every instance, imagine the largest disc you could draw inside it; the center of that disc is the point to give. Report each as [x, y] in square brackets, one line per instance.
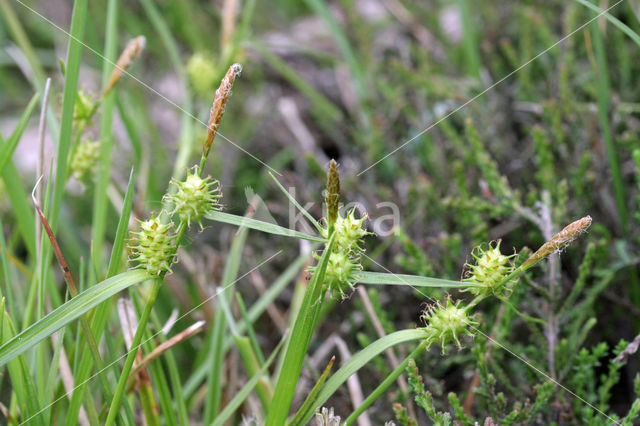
[202, 73]
[349, 232]
[340, 272]
[85, 158]
[83, 107]
[446, 323]
[344, 260]
[194, 197]
[490, 270]
[153, 247]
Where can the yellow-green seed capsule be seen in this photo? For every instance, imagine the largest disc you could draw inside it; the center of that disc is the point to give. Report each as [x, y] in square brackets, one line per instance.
[340, 274]
[344, 261]
[489, 272]
[85, 159]
[194, 197]
[349, 232]
[153, 247]
[446, 323]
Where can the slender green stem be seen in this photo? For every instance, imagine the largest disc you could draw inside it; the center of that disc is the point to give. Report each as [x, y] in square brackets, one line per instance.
[391, 378]
[114, 408]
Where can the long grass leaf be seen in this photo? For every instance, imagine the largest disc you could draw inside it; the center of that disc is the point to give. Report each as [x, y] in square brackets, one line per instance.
[74, 53]
[301, 336]
[296, 420]
[20, 204]
[68, 312]
[100, 199]
[358, 361]
[615, 21]
[381, 278]
[7, 150]
[102, 311]
[259, 225]
[22, 382]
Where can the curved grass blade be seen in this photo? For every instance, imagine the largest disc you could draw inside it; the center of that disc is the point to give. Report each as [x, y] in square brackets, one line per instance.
[615, 21]
[381, 278]
[68, 312]
[259, 225]
[6, 152]
[382, 387]
[358, 361]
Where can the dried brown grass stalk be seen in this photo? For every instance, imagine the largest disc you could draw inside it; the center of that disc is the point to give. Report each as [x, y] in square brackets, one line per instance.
[130, 53]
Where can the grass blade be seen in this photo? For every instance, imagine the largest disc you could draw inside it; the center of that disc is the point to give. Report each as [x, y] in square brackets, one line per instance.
[381, 278]
[74, 53]
[20, 205]
[615, 21]
[313, 394]
[358, 361]
[68, 312]
[259, 225]
[6, 152]
[100, 200]
[301, 334]
[22, 382]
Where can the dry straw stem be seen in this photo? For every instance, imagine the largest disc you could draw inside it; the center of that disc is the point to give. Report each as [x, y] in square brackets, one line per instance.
[130, 53]
[559, 241]
[219, 102]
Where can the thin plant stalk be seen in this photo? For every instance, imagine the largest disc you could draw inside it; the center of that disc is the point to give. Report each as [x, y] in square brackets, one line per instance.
[388, 381]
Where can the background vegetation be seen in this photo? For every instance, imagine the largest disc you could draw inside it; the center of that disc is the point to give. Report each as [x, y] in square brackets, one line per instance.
[514, 119]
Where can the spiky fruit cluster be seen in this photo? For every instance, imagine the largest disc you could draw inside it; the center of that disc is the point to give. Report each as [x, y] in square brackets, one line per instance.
[446, 323]
[153, 247]
[85, 159]
[349, 232]
[344, 261]
[194, 197]
[489, 272]
[340, 273]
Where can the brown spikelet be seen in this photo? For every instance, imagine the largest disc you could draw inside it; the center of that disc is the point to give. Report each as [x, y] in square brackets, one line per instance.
[332, 197]
[219, 102]
[130, 53]
[559, 241]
